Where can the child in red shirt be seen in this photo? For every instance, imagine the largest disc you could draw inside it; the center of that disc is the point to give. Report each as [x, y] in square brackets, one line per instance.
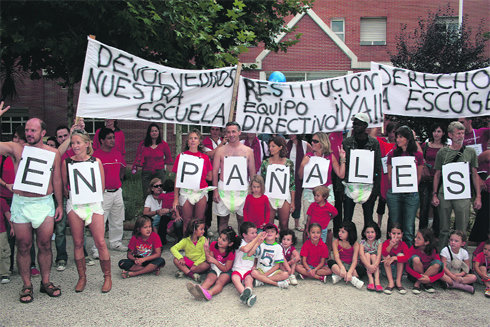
[257, 208]
[481, 265]
[392, 248]
[322, 212]
[314, 253]
[424, 264]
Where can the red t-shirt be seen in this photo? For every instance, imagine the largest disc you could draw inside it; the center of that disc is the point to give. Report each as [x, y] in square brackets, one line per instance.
[68, 154]
[385, 148]
[112, 162]
[157, 158]
[142, 248]
[119, 138]
[257, 210]
[167, 200]
[8, 176]
[401, 248]
[477, 136]
[480, 258]
[425, 259]
[207, 167]
[321, 215]
[314, 253]
[219, 256]
[335, 139]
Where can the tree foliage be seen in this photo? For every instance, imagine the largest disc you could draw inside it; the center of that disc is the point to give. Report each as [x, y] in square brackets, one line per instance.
[434, 47]
[50, 36]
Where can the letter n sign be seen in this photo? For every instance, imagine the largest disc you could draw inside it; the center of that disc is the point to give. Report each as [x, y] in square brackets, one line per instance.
[85, 182]
[456, 181]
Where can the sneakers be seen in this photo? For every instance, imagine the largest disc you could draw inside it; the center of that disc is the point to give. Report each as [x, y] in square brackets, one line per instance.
[283, 284]
[5, 280]
[324, 279]
[34, 272]
[388, 290]
[416, 290]
[428, 288]
[196, 278]
[95, 253]
[251, 300]
[357, 282]
[336, 278]
[179, 274]
[487, 292]
[61, 265]
[301, 276]
[194, 291]
[258, 283]
[118, 246]
[293, 280]
[246, 294]
[89, 261]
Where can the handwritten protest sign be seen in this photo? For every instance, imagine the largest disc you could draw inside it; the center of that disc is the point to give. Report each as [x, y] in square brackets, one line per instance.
[85, 182]
[361, 166]
[456, 181]
[404, 175]
[315, 172]
[189, 172]
[307, 107]
[277, 182]
[34, 172]
[409, 93]
[118, 85]
[235, 173]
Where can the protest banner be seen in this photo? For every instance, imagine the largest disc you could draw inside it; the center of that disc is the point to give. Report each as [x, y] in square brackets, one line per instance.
[308, 107]
[410, 93]
[456, 181]
[34, 172]
[277, 182]
[118, 85]
[235, 173]
[85, 182]
[361, 166]
[189, 172]
[315, 172]
[404, 175]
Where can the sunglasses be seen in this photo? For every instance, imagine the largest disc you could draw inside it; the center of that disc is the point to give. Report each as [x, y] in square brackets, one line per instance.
[158, 185]
[315, 141]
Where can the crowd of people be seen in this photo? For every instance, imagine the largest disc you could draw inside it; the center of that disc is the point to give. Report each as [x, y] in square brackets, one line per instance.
[253, 257]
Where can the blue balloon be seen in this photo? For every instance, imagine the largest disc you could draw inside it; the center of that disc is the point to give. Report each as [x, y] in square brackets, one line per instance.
[277, 77]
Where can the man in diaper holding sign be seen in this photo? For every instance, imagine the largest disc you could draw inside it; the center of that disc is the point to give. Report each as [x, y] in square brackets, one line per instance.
[33, 207]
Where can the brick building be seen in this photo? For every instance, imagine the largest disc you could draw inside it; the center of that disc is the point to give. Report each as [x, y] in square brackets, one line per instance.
[339, 37]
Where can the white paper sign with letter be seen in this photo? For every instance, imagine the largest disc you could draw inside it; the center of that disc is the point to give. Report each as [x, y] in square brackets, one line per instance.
[85, 182]
[456, 181]
[34, 172]
[315, 172]
[277, 182]
[189, 172]
[404, 175]
[361, 166]
[235, 174]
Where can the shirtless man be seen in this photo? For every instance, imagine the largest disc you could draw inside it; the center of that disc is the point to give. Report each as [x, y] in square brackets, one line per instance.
[236, 149]
[41, 209]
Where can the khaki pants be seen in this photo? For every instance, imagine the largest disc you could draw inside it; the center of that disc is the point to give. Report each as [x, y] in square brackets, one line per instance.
[462, 217]
[4, 255]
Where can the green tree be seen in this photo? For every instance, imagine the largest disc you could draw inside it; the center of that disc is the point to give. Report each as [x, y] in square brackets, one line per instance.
[438, 47]
[50, 36]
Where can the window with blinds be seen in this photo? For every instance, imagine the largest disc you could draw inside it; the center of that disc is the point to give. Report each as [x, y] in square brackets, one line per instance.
[373, 31]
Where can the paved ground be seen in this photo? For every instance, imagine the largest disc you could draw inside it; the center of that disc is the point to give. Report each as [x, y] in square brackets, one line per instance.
[164, 300]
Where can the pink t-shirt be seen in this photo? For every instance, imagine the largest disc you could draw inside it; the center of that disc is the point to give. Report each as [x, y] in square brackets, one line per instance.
[142, 248]
[119, 139]
[430, 157]
[478, 136]
[155, 159]
[257, 210]
[221, 257]
[8, 176]
[112, 162]
[314, 253]
[321, 215]
[329, 157]
[335, 139]
[207, 167]
[346, 255]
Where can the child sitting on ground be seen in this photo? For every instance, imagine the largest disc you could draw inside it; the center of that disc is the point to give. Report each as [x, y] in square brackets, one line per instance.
[456, 262]
[4, 244]
[314, 253]
[392, 248]
[291, 255]
[244, 262]
[370, 254]
[194, 260]
[144, 251]
[481, 265]
[270, 260]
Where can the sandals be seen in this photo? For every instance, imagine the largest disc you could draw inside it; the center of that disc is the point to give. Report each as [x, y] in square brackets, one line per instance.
[26, 292]
[125, 274]
[50, 289]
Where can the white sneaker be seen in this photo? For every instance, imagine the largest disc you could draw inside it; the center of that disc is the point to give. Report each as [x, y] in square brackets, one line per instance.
[119, 247]
[357, 282]
[324, 279]
[283, 284]
[336, 278]
[293, 280]
[61, 265]
[95, 253]
[89, 261]
[258, 283]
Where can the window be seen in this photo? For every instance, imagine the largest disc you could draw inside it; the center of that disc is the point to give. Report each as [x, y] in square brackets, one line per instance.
[309, 76]
[373, 31]
[93, 124]
[11, 120]
[187, 128]
[447, 24]
[338, 27]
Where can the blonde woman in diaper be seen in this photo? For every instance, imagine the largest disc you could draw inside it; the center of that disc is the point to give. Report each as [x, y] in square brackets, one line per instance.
[91, 215]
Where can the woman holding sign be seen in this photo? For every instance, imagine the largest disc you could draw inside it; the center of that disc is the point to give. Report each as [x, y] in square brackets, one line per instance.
[192, 200]
[88, 214]
[278, 151]
[320, 144]
[403, 179]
